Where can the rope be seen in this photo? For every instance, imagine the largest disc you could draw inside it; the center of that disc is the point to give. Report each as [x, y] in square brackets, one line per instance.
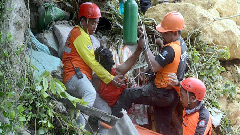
[144, 31]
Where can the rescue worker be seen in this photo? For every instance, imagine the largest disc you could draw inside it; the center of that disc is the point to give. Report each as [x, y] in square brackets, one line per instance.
[79, 61]
[159, 94]
[196, 117]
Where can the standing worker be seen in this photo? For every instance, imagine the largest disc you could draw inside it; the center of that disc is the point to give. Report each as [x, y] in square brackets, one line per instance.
[159, 94]
[79, 59]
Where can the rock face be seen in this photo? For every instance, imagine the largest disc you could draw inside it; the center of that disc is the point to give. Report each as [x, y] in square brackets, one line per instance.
[232, 109]
[18, 21]
[48, 38]
[61, 31]
[222, 6]
[221, 32]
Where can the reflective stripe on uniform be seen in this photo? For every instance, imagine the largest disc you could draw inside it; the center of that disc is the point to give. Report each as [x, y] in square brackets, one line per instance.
[67, 49]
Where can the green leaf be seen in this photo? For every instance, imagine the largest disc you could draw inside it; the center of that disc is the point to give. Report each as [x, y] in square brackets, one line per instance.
[45, 84]
[44, 94]
[9, 36]
[1, 94]
[22, 118]
[45, 74]
[50, 125]
[38, 88]
[1, 74]
[20, 108]
[5, 53]
[10, 94]
[53, 87]
[43, 121]
[63, 94]
[59, 82]
[12, 114]
[50, 113]
[84, 103]
[41, 131]
[59, 88]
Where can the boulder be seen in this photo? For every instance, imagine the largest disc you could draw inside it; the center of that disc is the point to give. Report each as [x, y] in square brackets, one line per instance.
[228, 8]
[49, 39]
[221, 32]
[232, 109]
[61, 31]
[206, 4]
[221, 6]
[234, 114]
[223, 103]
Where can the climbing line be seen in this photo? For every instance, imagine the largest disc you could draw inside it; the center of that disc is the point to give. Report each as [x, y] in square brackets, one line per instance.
[144, 31]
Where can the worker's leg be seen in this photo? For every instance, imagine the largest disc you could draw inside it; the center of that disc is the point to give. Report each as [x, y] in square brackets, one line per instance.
[163, 115]
[177, 119]
[148, 94]
[81, 88]
[102, 105]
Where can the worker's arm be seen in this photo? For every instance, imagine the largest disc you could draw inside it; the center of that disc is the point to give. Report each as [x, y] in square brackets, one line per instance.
[127, 65]
[159, 61]
[152, 63]
[86, 52]
[204, 123]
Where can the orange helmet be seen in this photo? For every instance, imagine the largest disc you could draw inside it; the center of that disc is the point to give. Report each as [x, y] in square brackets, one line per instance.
[89, 10]
[195, 86]
[172, 21]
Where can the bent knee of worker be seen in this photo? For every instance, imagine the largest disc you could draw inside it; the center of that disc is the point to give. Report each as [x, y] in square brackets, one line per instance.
[89, 95]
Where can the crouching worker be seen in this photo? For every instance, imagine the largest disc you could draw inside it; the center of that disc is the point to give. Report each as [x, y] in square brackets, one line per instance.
[196, 117]
[79, 61]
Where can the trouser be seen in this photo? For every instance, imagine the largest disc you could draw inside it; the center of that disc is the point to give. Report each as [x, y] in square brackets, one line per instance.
[80, 88]
[164, 102]
[102, 105]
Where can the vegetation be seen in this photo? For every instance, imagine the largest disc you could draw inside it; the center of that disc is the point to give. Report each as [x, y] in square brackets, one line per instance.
[203, 63]
[29, 100]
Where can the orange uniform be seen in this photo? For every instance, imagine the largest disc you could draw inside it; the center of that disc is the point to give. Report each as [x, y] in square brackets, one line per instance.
[197, 121]
[79, 50]
[162, 79]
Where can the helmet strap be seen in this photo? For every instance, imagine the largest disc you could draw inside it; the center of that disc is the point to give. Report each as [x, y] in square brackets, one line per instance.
[87, 26]
[188, 100]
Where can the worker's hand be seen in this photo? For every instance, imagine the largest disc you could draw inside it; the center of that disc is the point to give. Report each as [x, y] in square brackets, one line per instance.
[173, 79]
[118, 80]
[159, 42]
[143, 39]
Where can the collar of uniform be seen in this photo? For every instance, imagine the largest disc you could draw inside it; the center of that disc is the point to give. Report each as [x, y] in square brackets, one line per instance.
[195, 109]
[83, 31]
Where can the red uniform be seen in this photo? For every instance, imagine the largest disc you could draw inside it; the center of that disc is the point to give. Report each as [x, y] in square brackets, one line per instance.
[109, 92]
